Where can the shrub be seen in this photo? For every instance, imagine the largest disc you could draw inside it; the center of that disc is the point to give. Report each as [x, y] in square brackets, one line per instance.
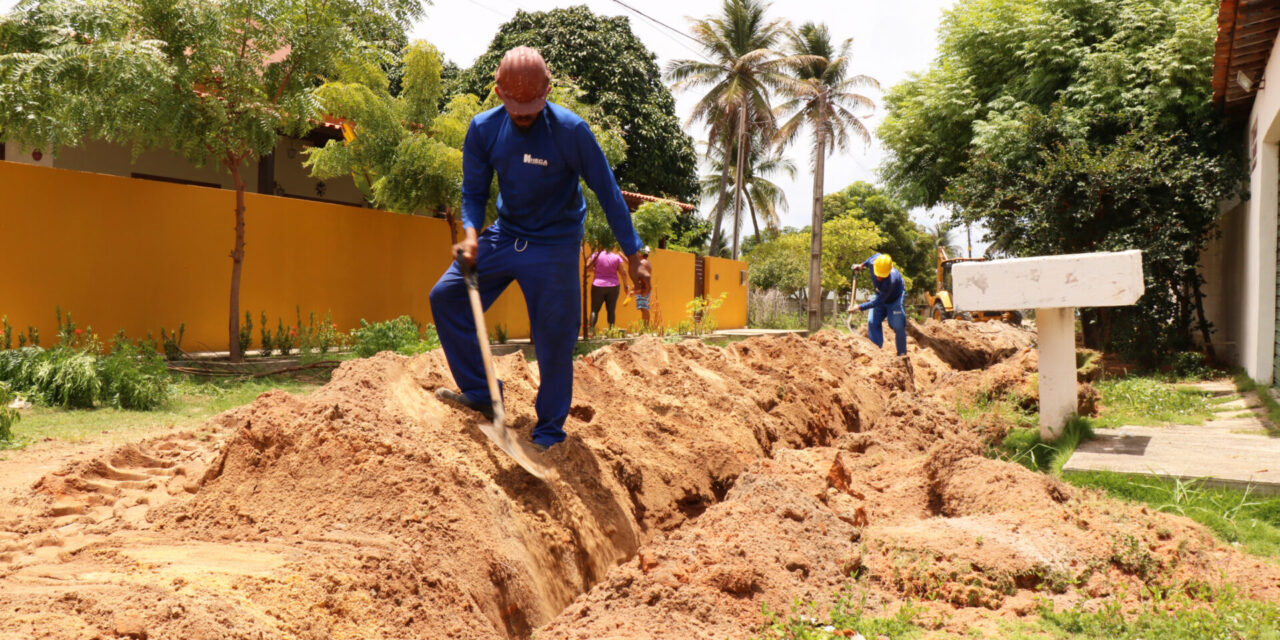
[286, 337]
[327, 336]
[133, 376]
[246, 333]
[7, 416]
[77, 374]
[73, 382]
[400, 335]
[173, 342]
[267, 344]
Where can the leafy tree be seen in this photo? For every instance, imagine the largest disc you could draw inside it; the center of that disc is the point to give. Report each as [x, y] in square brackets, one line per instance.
[403, 153]
[911, 247]
[654, 221]
[743, 69]
[764, 197]
[616, 72]
[826, 101]
[782, 262]
[1069, 126]
[213, 81]
[690, 233]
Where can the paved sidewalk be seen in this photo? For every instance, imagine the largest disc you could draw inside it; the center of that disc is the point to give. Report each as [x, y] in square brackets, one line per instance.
[1231, 450]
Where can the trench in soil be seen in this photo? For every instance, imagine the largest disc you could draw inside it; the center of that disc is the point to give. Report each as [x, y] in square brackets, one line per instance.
[697, 483]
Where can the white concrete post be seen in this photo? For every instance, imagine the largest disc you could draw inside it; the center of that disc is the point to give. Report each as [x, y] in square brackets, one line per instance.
[1057, 338]
[1054, 286]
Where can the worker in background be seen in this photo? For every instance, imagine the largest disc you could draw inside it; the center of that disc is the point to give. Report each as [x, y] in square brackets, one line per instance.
[887, 303]
[538, 150]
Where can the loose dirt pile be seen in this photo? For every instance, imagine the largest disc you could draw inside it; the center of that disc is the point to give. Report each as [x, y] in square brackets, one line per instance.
[697, 483]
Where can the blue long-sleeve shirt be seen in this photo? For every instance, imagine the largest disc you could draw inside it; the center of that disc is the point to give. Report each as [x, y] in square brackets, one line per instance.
[888, 290]
[539, 198]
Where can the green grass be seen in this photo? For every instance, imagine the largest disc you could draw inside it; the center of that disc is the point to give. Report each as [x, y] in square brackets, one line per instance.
[193, 403]
[1188, 611]
[848, 613]
[1178, 614]
[1024, 446]
[1245, 384]
[1145, 401]
[1240, 517]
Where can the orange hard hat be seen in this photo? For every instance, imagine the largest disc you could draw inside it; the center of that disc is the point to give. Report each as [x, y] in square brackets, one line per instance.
[523, 81]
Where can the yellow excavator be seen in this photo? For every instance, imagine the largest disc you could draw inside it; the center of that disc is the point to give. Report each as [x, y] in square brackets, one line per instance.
[941, 307]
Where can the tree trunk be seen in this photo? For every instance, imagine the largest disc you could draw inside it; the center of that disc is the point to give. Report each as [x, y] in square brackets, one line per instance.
[815, 256]
[452, 221]
[754, 224]
[237, 261]
[1205, 327]
[737, 185]
[719, 214]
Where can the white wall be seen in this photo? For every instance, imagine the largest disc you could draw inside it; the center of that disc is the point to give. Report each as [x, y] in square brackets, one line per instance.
[114, 159]
[1222, 265]
[292, 179]
[1258, 227]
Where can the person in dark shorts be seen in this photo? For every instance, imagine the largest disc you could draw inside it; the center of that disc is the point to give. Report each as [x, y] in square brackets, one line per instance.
[607, 282]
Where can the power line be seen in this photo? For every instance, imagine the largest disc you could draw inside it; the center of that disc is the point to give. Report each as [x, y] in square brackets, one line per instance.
[664, 25]
[488, 8]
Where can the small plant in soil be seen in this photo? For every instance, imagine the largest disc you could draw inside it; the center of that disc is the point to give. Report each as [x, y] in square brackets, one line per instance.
[246, 332]
[268, 343]
[8, 417]
[1187, 612]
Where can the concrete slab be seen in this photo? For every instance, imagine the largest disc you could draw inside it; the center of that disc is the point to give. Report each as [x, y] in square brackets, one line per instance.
[1105, 279]
[1209, 452]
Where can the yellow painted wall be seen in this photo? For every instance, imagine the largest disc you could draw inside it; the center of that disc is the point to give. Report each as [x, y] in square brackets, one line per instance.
[120, 253]
[672, 278]
[727, 277]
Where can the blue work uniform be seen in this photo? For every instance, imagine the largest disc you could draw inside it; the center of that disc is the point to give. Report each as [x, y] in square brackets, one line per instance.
[887, 304]
[535, 242]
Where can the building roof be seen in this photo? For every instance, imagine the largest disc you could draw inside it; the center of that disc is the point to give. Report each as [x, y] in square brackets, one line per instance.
[1246, 31]
[634, 200]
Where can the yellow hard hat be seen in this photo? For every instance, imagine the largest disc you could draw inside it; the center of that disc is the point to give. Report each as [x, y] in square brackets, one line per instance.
[882, 265]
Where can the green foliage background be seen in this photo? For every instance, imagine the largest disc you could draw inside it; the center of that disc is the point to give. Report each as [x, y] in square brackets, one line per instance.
[1070, 126]
[617, 73]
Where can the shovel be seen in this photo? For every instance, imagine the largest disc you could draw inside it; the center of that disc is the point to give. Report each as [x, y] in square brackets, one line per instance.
[497, 431]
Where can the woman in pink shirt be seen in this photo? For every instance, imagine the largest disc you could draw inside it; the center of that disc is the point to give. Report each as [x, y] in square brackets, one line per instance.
[608, 277]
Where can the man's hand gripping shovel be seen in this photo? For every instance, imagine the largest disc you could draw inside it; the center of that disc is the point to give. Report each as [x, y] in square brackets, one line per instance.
[497, 431]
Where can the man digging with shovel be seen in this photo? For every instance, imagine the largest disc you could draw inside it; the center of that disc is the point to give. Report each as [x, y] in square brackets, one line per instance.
[539, 150]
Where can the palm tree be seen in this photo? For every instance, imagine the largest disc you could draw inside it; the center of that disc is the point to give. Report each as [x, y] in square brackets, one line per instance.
[824, 99]
[765, 198]
[743, 67]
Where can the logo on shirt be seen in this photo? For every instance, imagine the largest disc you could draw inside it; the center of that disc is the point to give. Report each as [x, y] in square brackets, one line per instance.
[528, 159]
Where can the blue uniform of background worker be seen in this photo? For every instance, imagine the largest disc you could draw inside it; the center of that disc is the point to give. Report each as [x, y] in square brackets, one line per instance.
[887, 303]
[538, 150]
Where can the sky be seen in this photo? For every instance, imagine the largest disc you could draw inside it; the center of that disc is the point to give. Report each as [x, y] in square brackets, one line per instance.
[890, 41]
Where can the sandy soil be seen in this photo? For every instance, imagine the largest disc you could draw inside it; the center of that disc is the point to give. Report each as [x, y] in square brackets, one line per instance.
[698, 484]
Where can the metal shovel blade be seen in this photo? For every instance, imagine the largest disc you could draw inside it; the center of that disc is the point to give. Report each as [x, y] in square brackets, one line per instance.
[506, 440]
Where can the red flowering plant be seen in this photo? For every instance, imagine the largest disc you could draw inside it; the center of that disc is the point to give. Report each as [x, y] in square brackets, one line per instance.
[327, 336]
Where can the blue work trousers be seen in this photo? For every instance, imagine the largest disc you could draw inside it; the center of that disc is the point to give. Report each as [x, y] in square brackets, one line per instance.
[897, 321]
[548, 277]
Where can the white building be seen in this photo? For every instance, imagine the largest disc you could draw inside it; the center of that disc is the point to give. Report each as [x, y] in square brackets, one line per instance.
[1240, 267]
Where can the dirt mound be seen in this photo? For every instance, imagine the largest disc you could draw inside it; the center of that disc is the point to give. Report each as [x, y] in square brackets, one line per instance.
[697, 484]
[968, 345]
